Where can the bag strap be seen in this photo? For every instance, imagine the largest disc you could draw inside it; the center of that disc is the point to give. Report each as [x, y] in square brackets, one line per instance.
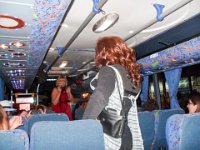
[116, 71]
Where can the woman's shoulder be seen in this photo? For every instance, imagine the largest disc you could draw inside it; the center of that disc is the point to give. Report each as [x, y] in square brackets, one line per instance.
[55, 89]
[106, 70]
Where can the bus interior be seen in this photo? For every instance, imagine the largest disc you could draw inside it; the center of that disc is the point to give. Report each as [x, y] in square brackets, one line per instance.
[43, 39]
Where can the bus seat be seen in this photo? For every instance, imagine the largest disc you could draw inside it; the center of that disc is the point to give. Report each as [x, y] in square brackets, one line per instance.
[146, 121]
[161, 117]
[71, 135]
[182, 131]
[45, 117]
[79, 113]
[14, 140]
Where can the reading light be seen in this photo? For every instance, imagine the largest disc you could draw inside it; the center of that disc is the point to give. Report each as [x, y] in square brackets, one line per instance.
[17, 44]
[63, 64]
[105, 22]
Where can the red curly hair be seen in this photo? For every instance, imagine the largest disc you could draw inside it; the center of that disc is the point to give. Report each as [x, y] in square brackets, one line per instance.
[113, 50]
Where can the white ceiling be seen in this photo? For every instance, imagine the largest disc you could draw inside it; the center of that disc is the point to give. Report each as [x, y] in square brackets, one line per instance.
[134, 15]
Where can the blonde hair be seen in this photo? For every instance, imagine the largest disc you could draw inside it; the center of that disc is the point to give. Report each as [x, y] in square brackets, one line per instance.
[3, 119]
[63, 78]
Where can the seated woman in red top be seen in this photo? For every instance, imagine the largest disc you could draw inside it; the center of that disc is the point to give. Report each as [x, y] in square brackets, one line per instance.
[61, 96]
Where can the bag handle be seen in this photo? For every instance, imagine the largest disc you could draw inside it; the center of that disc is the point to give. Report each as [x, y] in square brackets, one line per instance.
[115, 70]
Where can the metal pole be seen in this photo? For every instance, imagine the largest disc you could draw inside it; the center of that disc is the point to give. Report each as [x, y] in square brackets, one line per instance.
[76, 34]
[11, 98]
[37, 98]
[163, 15]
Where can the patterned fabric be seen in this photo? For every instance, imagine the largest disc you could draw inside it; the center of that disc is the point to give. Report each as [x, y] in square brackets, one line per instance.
[180, 55]
[173, 131]
[115, 103]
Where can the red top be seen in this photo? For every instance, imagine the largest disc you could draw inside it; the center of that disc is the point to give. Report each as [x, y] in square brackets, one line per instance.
[63, 106]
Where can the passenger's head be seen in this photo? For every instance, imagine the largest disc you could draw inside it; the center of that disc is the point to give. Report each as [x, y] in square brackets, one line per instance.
[61, 81]
[150, 105]
[3, 119]
[42, 109]
[113, 50]
[194, 102]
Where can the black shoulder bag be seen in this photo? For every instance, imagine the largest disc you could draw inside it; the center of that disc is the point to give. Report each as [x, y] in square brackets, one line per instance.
[113, 123]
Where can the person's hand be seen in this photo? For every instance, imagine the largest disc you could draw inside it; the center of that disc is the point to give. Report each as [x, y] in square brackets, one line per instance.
[59, 89]
[23, 113]
[15, 122]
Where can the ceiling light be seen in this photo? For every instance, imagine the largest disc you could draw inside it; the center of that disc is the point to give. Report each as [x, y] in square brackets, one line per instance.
[3, 46]
[65, 25]
[105, 22]
[63, 64]
[9, 22]
[17, 44]
[51, 49]
[131, 31]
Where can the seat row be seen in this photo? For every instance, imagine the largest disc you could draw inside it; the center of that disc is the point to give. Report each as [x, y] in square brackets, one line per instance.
[153, 126]
[171, 129]
[183, 132]
[55, 135]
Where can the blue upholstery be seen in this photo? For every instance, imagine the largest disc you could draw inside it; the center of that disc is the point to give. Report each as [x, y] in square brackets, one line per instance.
[146, 121]
[14, 140]
[79, 113]
[71, 135]
[45, 117]
[161, 117]
[182, 132]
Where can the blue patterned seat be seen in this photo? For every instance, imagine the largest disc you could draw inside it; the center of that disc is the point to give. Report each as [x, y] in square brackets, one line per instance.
[14, 140]
[71, 135]
[161, 117]
[182, 132]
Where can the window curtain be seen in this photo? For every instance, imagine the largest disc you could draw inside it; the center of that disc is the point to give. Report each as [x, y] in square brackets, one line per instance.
[145, 89]
[2, 83]
[172, 78]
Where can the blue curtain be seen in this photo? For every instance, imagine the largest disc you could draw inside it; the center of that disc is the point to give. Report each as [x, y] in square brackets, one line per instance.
[145, 90]
[2, 83]
[172, 78]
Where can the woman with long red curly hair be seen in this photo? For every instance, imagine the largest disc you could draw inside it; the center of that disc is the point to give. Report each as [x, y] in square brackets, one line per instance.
[117, 86]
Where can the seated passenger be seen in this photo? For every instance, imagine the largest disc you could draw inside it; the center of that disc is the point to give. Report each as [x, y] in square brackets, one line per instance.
[61, 96]
[11, 124]
[150, 105]
[194, 103]
[40, 109]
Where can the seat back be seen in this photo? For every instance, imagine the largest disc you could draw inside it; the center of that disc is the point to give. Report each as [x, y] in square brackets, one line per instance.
[71, 135]
[79, 113]
[14, 140]
[161, 117]
[45, 117]
[182, 131]
[146, 121]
